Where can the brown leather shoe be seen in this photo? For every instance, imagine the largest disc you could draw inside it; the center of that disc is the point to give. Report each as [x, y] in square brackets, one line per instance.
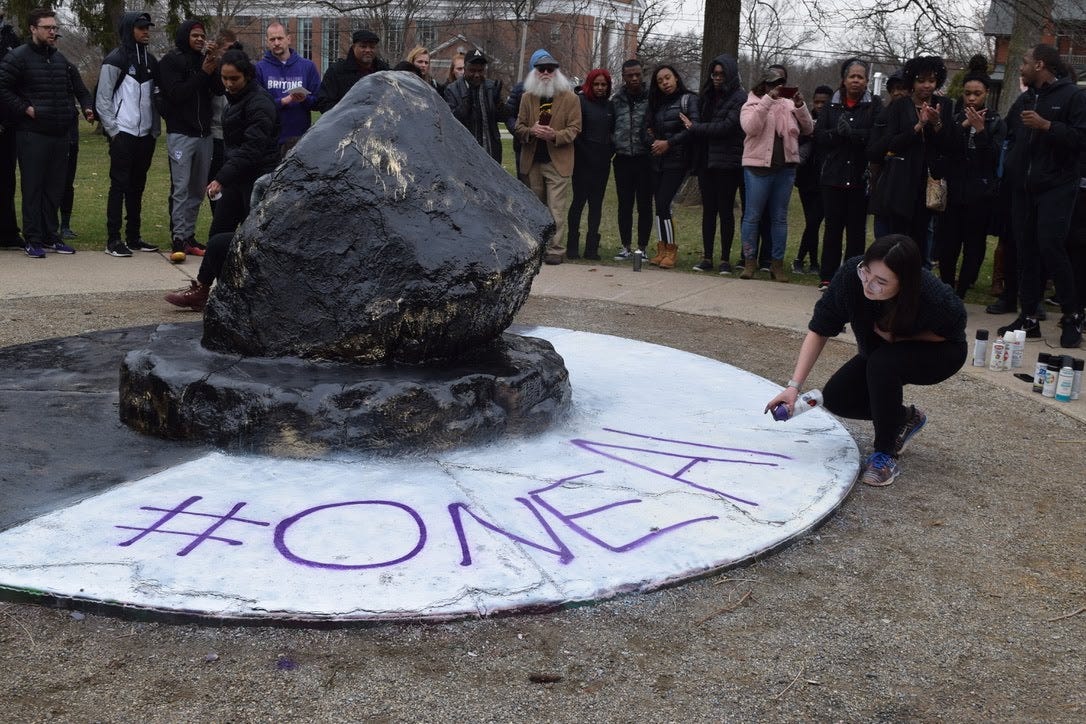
[553, 259]
[777, 272]
[194, 298]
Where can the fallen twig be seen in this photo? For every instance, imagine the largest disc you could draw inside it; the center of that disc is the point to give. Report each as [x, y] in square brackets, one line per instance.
[726, 609]
[21, 625]
[1068, 615]
[785, 689]
[726, 579]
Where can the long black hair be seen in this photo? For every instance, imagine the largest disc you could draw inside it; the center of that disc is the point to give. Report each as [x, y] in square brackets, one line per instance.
[901, 256]
[656, 96]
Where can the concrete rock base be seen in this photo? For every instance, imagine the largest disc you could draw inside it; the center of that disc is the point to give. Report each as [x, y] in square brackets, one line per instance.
[288, 406]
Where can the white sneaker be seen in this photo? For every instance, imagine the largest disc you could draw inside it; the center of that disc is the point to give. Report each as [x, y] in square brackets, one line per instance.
[623, 254]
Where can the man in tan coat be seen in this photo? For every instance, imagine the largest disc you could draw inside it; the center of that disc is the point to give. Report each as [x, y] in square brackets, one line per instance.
[549, 120]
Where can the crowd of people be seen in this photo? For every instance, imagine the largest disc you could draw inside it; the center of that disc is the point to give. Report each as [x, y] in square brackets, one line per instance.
[944, 173]
[938, 176]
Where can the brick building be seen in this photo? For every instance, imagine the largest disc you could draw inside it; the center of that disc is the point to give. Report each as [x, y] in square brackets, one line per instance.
[582, 34]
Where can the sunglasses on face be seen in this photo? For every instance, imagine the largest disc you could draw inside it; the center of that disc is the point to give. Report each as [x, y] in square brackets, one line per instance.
[547, 68]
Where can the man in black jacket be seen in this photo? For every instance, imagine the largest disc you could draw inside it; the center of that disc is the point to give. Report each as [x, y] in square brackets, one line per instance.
[9, 222]
[1047, 128]
[127, 85]
[341, 76]
[34, 89]
[475, 101]
[188, 78]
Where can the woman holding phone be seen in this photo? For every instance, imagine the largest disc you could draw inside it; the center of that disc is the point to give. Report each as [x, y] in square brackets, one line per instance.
[773, 126]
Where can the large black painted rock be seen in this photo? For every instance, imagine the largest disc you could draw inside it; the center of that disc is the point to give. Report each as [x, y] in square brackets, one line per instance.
[178, 389]
[387, 234]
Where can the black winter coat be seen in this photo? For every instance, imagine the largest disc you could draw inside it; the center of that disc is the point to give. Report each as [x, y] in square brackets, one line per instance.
[340, 78]
[718, 135]
[185, 88]
[37, 75]
[906, 156]
[972, 159]
[250, 129]
[1041, 160]
[842, 152]
[592, 147]
[665, 124]
[463, 101]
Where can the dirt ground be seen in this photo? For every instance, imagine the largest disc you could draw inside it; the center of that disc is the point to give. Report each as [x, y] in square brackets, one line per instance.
[951, 595]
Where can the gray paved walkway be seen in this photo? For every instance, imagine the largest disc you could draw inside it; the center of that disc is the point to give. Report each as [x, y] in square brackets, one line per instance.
[785, 306]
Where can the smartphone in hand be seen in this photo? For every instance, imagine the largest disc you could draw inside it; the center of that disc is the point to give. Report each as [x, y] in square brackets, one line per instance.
[787, 91]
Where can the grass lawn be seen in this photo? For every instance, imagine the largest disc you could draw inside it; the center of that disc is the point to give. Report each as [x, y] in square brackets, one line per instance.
[92, 184]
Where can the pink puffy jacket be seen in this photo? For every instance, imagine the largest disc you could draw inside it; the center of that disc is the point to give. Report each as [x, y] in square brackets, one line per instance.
[763, 118]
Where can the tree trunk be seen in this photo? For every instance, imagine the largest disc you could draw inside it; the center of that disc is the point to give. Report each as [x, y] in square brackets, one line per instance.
[721, 31]
[1030, 19]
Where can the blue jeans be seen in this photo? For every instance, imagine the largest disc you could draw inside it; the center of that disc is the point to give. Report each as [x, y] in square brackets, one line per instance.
[768, 194]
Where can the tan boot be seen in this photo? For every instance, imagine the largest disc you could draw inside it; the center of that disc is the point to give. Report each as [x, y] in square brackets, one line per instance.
[776, 271]
[655, 261]
[671, 253]
[750, 267]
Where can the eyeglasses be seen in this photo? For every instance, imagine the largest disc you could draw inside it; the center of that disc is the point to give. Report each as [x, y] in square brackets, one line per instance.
[872, 283]
[48, 28]
[546, 68]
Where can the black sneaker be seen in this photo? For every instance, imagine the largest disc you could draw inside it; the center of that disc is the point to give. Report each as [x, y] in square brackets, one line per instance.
[140, 245]
[914, 422]
[1071, 330]
[725, 268]
[703, 265]
[1032, 327]
[118, 248]
[797, 267]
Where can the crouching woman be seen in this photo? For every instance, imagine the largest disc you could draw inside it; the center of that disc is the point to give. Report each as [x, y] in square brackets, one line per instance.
[910, 330]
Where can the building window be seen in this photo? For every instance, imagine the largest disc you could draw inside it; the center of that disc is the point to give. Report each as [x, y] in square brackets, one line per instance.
[393, 40]
[425, 32]
[303, 39]
[330, 42]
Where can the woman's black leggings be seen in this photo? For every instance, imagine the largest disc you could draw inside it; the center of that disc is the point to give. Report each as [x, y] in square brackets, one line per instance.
[718, 189]
[871, 387]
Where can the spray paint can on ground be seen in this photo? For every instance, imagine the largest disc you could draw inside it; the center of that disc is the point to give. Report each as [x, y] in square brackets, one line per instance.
[995, 362]
[807, 401]
[1052, 373]
[1018, 348]
[1066, 380]
[980, 348]
[638, 258]
[1040, 372]
[1076, 385]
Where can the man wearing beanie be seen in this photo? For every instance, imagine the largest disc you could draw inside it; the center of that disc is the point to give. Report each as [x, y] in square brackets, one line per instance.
[341, 76]
[188, 77]
[548, 122]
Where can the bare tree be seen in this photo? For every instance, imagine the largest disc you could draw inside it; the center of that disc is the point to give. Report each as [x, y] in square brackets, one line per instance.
[771, 32]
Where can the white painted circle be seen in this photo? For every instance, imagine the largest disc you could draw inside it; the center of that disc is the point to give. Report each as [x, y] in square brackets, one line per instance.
[665, 469]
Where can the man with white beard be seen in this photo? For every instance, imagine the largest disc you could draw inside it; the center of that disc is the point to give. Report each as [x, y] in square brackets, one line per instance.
[549, 120]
